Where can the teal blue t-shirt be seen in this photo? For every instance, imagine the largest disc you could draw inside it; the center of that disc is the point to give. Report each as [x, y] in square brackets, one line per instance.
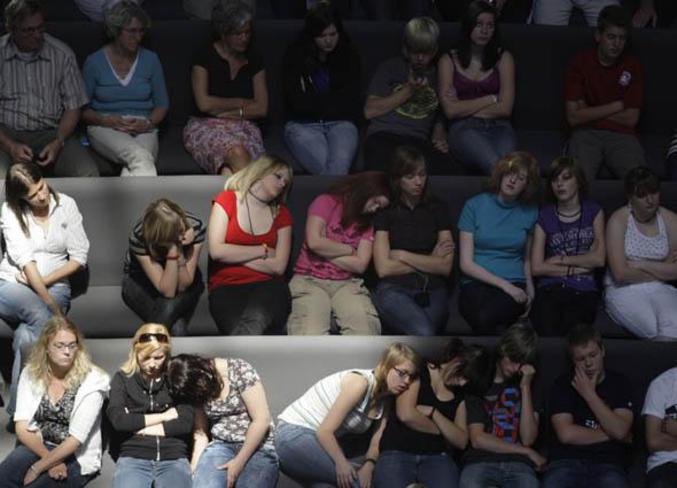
[500, 231]
[144, 90]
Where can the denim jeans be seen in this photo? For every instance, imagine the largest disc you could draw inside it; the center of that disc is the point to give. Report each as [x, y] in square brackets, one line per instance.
[480, 143]
[323, 147]
[20, 305]
[397, 469]
[558, 12]
[16, 464]
[662, 476]
[141, 296]
[402, 315]
[261, 470]
[572, 473]
[303, 458]
[498, 475]
[144, 473]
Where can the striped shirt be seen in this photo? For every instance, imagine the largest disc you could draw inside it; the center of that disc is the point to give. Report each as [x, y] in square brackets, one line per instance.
[35, 89]
[139, 247]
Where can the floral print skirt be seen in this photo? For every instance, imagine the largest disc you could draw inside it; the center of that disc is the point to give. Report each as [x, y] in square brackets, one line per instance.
[209, 140]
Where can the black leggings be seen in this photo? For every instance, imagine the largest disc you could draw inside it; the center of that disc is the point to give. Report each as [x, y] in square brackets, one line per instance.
[557, 309]
[252, 308]
[487, 309]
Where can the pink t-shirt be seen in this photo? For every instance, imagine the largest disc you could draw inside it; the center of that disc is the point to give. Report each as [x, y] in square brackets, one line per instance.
[329, 209]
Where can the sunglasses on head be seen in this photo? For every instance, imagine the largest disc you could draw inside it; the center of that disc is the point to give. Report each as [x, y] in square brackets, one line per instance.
[153, 337]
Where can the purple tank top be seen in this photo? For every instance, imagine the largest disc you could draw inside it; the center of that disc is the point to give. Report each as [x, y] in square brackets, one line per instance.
[468, 89]
[571, 239]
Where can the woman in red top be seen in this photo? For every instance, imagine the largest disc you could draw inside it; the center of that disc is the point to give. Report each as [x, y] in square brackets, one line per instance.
[249, 246]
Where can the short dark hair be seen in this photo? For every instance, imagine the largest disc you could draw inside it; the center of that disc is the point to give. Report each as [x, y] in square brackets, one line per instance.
[614, 16]
[518, 343]
[320, 17]
[17, 10]
[641, 181]
[557, 167]
[193, 379]
[581, 334]
[477, 368]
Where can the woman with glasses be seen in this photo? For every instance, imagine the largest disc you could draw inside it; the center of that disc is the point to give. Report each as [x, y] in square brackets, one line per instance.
[162, 281]
[58, 413]
[348, 402]
[640, 240]
[45, 243]
[429, 424]
[229, 87]
[233, 431]
[126, 88]
[152, 431]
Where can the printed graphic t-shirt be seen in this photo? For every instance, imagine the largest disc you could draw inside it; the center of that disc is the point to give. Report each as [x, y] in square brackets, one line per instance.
[499, 411]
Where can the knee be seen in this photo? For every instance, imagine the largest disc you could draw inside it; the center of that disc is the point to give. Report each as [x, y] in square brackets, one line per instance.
[22, 337]
[237, 153]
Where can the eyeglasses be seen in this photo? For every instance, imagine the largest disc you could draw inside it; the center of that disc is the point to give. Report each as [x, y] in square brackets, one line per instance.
[140, 31]
[60, 346]
[404, 374]
[143, 338]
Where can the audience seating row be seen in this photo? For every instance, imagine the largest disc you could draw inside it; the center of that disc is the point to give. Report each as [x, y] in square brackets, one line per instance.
[110, 206]
[289, 365]
[541, 56]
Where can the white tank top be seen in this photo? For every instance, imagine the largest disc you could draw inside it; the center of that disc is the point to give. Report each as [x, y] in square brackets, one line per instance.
[639, 246]
[313, 406]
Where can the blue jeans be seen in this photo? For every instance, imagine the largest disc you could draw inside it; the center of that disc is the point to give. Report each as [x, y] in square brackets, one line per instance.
[303, 458]
[261, 471]
[403, 315]
[572, 473]
[499, 475]
[20, 305]
[144, 473]
[480, 143]
[16, 464]
[397, 469]
[322, 148]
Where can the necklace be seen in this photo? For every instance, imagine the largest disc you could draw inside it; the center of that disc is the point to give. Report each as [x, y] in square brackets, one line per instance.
[249, 215]
[567, 215]
[258, 198]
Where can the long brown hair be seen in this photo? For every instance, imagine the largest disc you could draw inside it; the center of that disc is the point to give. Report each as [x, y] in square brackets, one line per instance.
[18, 177]
[354, 191]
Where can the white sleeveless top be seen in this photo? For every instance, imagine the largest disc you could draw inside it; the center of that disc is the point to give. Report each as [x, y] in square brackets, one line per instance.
[314, 405]
[639, 246]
